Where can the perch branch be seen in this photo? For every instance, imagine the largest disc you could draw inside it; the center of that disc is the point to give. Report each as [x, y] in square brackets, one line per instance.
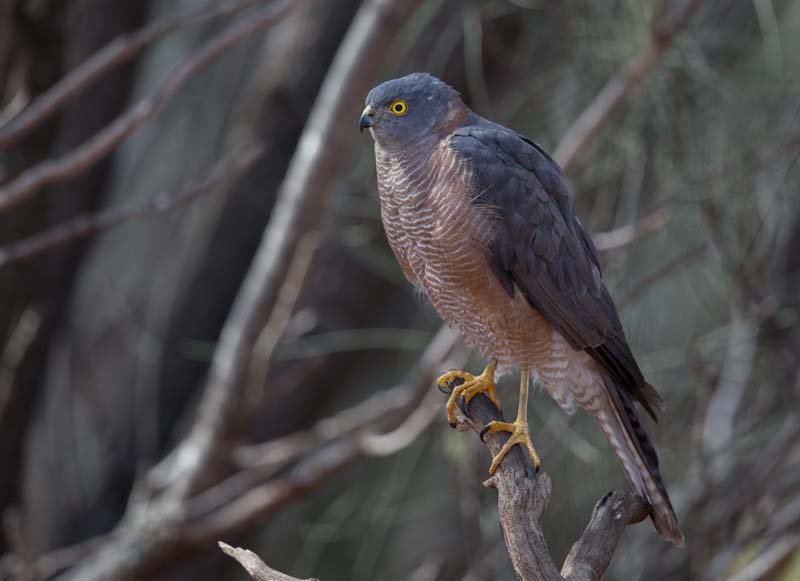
[522, 499]
[255, 567]
[230, 167]
[116, 53]
[104, 141]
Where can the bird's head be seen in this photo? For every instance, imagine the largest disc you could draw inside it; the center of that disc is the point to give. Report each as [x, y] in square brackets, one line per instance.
[403, 112]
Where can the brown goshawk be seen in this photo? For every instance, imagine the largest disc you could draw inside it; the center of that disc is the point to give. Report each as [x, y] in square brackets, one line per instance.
[480, 219]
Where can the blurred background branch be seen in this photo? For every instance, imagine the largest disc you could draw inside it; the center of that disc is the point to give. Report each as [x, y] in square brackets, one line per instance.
[173, 373]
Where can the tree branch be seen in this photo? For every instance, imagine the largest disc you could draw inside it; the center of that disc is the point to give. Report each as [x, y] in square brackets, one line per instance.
[333, 443]
[630, 233]
[617, 89]
[157, 527]
[82, 226]
[104, 141]
[298, 209]
[522, 497]
[254, 566]
[522, 500]
[116, 53]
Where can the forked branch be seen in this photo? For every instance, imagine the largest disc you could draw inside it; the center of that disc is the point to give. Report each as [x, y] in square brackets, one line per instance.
[522, 498]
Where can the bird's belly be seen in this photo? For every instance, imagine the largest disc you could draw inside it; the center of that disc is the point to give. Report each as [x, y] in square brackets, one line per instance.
[460, 285]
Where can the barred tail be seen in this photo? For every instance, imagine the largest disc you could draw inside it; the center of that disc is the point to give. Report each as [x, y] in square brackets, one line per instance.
[639, 460]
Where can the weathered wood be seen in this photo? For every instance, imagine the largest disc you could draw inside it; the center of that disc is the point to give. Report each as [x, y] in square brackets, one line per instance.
[254, 566]
[522, 499]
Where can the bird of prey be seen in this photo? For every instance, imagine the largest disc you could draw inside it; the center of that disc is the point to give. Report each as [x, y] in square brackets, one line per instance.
[480, 219]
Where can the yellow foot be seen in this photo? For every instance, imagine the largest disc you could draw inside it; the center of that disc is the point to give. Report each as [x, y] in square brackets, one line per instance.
[519, 435]
[471, 386]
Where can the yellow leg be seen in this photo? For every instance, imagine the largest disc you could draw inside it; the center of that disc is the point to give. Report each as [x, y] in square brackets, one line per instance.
[471, 386]
[518, 429]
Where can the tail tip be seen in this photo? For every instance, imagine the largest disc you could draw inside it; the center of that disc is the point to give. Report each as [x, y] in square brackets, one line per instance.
[669, 530]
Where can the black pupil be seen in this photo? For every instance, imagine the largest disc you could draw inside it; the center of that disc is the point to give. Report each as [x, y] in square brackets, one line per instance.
[398, 107]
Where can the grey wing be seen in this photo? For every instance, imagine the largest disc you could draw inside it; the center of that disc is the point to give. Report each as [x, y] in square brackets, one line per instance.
[542, 250]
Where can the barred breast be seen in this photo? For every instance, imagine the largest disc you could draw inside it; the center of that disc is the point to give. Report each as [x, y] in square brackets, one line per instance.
[439, 237]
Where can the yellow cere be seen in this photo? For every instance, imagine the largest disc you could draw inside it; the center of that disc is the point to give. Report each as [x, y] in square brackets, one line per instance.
[398, 107]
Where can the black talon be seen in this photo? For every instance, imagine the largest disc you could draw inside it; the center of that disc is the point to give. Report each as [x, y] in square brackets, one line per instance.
[462, 405]
[448, 388]
[453, 424]
[482, 433]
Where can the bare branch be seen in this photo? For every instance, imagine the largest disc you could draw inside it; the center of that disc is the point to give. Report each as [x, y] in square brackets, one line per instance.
[298, 208]
[772, 562]
[378, 409]
[617, 89]
[591, 555]
[407, 433]
[82, 226]
[50, 564]
[279, 318]
[735, 376]
[522, 499]
[254, 566]
[331, 445]
[104, 141]
[662, 271]
[17, 345]
[116, 53]
[630, 233]
[318, 158]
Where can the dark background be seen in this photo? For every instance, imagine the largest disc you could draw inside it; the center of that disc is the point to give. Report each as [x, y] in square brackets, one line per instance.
[106, 340]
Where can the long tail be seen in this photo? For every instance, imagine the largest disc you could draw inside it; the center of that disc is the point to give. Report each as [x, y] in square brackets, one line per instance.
[631, 444]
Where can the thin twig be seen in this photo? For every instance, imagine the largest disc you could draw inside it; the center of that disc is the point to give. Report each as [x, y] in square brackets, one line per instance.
[446, 348]
[356, 426]
[630, 233]
[104, 141]
[116, 53]
[19, 341]
[230, 167]
[279, 318]
[661, 272]
[317, 160]
[618, 88]
[12, 566]
[297, 210]
[255, 567]
[402, 437]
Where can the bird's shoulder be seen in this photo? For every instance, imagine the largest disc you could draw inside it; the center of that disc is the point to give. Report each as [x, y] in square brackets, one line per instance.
[513, 171]
[542, 250]
[512, 166]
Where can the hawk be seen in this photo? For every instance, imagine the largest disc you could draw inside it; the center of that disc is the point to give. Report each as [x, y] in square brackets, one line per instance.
[480, 219]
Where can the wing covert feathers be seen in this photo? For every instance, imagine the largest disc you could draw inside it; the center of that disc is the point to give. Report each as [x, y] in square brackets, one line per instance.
[542, 251]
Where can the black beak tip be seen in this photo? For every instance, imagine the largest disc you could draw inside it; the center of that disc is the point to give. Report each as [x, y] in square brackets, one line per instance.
[366, 120]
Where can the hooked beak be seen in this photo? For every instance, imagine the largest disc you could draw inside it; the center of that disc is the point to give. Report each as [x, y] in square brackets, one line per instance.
[368, 118]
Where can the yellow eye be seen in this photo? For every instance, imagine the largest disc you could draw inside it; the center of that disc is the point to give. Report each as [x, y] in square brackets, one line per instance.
[398, 107]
